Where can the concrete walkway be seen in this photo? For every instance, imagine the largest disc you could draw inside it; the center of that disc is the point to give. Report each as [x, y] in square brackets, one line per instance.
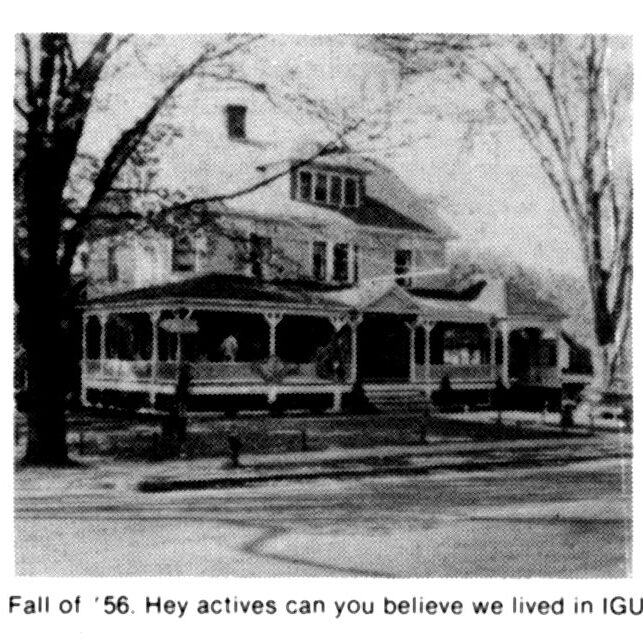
[390, 460]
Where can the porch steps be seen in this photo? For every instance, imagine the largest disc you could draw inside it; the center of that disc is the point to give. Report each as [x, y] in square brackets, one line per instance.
[411, 400]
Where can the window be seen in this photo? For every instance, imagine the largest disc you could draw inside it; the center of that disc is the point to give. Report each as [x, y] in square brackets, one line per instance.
[350, 192]
[183, 254]
[335, 189]
[355, 264]
[260, 254]
[236, 121]
[321, 187]
[305, 186]
[340, 262]
[319, 260]
[324, 187]
[112, 263]
[403, 264]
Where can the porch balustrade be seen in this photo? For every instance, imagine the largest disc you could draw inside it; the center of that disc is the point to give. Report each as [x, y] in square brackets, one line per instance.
[542, 376]
[466, 372]
[167, 372]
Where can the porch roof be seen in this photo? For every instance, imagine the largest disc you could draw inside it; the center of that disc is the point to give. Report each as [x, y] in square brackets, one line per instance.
[497, 299]
[225, 287]
[506, 299]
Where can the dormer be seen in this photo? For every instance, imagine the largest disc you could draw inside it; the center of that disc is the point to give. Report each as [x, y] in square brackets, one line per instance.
[338, 188]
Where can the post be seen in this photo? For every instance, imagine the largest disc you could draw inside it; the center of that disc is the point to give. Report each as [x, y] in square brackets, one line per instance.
[411, 326]
[154, 357]
[273, 320]
[83, 368]
[103, 319]
[428, 327]
[560, 349]
[354, 323]
[504, 329]
[493, 357]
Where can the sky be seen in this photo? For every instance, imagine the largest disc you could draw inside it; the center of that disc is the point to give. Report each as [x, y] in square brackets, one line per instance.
[487, 183]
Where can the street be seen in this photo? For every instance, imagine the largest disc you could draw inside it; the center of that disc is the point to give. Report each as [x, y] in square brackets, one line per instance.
[554, 521]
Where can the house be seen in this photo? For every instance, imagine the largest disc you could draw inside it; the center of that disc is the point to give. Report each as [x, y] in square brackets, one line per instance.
[332, 271]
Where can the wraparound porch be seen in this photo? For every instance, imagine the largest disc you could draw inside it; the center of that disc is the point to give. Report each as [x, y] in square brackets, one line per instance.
[281, 354]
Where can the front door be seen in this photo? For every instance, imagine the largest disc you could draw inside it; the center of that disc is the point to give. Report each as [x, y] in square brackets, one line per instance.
[383, 353]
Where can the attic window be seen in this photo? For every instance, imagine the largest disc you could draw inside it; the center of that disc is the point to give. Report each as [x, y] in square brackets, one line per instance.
[326, 187]
[183, 254]
[236, 121]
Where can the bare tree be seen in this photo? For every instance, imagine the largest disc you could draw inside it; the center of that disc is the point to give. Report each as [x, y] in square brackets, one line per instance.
[569, 98]
[57, 94]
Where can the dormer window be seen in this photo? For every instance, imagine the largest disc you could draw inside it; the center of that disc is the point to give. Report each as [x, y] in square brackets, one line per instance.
[330, 188]
[305, 185]
[321, 187]
[350, 192]
[336, 189]
[236, 121]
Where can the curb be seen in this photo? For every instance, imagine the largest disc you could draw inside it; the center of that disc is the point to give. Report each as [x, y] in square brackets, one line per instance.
[162, 485]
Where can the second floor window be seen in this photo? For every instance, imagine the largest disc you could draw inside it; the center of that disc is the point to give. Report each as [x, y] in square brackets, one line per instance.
[260, 254]
[403, 266]
[319, 260]
[112, 263]
[340, 262]
[355, 264]
[183, 254]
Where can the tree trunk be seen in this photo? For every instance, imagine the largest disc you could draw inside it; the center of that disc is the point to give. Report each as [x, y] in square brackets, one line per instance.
[41, 298]
[47, 382]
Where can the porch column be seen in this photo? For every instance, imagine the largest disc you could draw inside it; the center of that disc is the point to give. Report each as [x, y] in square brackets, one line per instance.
[354, 323]
[155, 316]
[273, 320]
[493, 357]
[179, 337]
[428, 327]
[560, 350]
[102, 318]
[83, 368]
[411, 326]
[504, 329]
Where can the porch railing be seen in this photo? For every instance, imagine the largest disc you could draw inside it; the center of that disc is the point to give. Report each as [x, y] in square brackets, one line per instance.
[141, 371]
[467, 372]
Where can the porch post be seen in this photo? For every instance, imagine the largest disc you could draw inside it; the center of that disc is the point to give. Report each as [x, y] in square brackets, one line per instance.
[103, 318]
[273, 320]
[154, 358]
[428, 327]
[83, 369]
[354, 323]
[560, 349]
[411, 326]
[504, 329]
[493, 357]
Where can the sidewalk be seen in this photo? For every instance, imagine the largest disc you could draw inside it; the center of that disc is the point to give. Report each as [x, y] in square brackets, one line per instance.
[458, 455]
[455, 453]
